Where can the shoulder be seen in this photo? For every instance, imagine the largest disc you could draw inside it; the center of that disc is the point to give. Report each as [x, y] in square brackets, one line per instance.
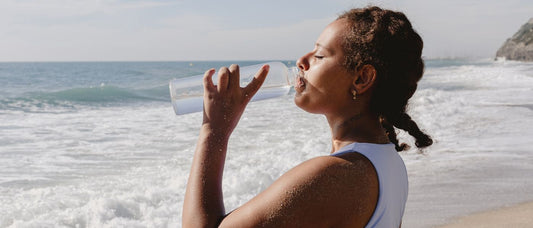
[323, 191]
[346, 171]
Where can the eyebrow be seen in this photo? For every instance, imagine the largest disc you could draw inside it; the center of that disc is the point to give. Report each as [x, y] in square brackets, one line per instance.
[324, 47]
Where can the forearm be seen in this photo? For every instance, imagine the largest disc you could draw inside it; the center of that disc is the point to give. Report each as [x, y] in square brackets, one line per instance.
[224, 104]
[203, 205]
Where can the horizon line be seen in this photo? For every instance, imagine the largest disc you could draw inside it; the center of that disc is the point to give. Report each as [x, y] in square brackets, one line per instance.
[230, 60]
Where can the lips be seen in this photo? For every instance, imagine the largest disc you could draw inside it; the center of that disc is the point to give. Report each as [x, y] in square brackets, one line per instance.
[299, 84]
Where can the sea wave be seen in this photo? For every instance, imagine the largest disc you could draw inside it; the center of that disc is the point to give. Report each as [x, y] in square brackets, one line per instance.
[103, 95]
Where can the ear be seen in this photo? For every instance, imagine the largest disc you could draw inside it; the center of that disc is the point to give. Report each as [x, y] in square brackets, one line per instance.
[365, 78]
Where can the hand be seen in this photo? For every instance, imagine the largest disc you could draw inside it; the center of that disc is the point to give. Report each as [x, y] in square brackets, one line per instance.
[224, 103]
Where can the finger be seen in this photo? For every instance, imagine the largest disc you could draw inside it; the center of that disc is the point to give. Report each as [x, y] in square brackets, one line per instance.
[234, 77]
[223, 77]
[208, 80]
[256, 83]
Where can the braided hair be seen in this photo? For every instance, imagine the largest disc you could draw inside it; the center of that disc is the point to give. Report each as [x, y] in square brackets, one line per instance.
[386, 40]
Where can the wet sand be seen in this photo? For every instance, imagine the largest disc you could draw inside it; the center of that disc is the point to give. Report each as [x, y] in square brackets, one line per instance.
[516, 216]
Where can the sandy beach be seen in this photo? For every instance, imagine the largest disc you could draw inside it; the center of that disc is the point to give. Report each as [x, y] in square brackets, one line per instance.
[516, 216]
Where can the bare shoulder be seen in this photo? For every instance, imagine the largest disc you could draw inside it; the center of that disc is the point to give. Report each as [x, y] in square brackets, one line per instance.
[325, 191]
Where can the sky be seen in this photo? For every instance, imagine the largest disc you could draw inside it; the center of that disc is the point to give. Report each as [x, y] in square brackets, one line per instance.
[192, 30]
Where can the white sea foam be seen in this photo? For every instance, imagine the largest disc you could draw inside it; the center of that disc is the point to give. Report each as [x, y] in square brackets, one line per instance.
[127, 166]
[480, 118]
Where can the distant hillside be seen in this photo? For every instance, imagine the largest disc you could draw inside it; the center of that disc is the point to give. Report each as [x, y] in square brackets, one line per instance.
[520, 46]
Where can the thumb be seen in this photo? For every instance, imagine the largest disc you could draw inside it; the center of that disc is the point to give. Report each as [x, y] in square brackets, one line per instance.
[256, 83]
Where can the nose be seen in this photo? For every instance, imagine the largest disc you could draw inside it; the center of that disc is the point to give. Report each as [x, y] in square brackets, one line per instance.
[303, 62]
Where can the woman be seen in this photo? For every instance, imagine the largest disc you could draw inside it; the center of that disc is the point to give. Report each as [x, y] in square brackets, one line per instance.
[361, 73]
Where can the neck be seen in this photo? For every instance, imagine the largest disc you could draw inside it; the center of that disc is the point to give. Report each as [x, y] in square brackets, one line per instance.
[358, 127]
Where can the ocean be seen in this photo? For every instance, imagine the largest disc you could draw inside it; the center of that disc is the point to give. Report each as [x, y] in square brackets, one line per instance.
[97, 144]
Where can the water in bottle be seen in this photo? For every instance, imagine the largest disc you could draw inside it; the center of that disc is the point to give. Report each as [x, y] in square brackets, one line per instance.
[187, 93]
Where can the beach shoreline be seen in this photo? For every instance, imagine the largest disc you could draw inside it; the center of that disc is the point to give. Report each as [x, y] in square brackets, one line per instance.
[516, 216]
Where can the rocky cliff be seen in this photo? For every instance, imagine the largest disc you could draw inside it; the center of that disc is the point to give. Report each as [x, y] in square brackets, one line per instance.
[520, 46]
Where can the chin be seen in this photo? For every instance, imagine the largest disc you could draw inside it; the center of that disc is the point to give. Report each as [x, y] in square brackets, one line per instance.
[299, 101]
[303, 103]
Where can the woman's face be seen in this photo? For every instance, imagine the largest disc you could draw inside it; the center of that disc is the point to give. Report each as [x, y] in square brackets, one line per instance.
[324, 85]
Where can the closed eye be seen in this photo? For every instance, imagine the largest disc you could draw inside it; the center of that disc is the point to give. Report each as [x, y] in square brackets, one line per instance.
[319, 57]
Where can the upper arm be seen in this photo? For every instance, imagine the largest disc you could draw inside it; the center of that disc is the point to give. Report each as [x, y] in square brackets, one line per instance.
[320, 192]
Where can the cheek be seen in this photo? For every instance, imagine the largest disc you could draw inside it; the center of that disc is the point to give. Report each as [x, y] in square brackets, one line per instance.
[319, 99]
[325, 90]
[333, 88]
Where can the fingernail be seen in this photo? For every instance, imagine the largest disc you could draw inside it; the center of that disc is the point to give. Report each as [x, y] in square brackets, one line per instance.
[266, 67]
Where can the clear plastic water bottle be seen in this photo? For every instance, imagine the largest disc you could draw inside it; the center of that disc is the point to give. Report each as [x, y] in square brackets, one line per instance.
[187, 93]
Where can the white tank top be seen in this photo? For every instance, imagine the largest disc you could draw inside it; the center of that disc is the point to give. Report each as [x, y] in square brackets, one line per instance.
[392, 177]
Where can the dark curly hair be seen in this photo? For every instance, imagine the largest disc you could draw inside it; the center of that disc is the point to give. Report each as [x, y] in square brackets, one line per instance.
[386, 40]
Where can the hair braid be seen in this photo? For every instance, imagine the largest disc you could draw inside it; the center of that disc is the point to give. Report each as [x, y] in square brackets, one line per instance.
[403, 121]
[391, 133]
